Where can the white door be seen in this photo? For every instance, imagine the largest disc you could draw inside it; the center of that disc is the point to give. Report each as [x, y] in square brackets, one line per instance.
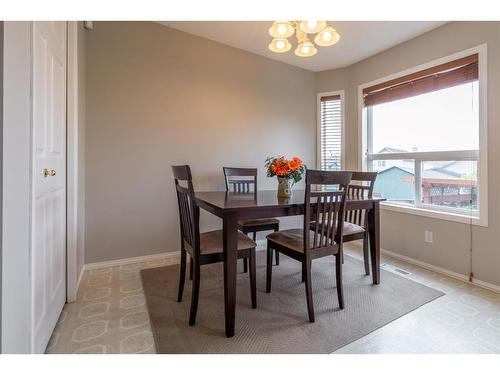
[48, 249]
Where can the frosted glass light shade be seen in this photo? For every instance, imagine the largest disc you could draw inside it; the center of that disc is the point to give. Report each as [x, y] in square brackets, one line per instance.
[327, 37]
[306, 49]
[280, 45]
[312, 27]
[281, 29]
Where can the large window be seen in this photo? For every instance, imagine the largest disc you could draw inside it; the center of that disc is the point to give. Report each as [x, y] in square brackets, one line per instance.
[423, 137]
[330, 127]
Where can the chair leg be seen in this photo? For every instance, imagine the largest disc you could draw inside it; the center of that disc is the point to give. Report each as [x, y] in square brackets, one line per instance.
[366, 254]
[277, 253]
[245, 265]
[191, 269]
[338, 275]
[195, 292]
[182, 276]
[269, 268]
[245, 260]
[253, 286]
[310, 306]
[303, 272]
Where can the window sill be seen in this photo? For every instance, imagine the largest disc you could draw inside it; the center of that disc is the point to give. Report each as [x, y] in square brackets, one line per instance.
[448, 216]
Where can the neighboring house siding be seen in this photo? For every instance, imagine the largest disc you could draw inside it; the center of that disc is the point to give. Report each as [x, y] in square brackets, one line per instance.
[403, 190]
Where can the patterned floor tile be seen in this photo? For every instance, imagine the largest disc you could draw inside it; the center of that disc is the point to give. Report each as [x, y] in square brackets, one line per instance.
[110, 316]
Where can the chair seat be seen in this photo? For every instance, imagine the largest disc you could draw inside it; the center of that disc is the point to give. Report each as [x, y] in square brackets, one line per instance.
[349, 228]
[211, 242]
[291, 238]
[257, 222]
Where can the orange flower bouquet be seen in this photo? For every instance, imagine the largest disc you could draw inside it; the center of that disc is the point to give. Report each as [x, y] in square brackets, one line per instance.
[288, 172]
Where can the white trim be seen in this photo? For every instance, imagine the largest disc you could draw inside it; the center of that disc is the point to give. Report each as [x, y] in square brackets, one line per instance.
[72, 175]
[80, 277]
[362, 132]
[16, 222]
[318, 126]
[483, 136]
[444, 271]
[171, 258]
[428, 156]
[419, 211]
[485, 285]
[431, 267]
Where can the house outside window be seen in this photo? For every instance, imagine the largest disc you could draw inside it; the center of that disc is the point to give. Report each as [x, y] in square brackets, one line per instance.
[424, 136]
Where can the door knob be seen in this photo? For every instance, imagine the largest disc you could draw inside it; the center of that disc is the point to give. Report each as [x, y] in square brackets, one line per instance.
[48, 173]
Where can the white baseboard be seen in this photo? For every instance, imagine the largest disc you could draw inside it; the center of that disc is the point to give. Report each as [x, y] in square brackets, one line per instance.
[80, 277]
[486, 285]
[441, 270]
[444, 271]
[171, 258]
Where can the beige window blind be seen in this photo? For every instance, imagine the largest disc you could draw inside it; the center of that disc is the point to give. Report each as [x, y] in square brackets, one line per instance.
[331, 133]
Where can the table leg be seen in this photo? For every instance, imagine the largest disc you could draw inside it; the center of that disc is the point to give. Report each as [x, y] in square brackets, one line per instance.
[230, 243]
[374, 236]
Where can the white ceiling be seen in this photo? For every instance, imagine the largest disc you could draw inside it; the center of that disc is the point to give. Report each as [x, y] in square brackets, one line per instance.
[359, 39]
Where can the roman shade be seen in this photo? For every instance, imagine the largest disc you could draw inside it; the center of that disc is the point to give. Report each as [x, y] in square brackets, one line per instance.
[330, 98]
[439, 77]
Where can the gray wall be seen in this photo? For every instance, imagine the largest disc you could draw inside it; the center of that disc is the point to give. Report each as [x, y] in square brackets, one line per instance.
[404, 233]
[157, 97]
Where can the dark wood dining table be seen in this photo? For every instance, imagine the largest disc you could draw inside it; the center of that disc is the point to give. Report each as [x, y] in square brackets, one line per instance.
[231, 207]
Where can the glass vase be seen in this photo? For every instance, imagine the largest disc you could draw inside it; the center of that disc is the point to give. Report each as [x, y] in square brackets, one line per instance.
[285, 187]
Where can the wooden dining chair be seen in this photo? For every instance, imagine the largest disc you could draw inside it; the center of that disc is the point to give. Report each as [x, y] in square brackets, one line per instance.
[326, 208]
[204, 248]
[356, 221]
[244, 180]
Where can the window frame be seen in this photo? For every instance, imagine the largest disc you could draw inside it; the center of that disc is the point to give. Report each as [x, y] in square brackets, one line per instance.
[447, 213]
[341, 93]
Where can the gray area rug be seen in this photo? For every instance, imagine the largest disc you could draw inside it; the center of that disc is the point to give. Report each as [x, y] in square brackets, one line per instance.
[280, 322]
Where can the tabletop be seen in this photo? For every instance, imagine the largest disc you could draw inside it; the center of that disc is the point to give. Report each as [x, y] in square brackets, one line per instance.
[229, 201]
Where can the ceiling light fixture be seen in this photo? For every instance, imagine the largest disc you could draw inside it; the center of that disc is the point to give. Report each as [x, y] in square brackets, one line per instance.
[312, 27]
[280, 45]
[327, 37]
[281, 30]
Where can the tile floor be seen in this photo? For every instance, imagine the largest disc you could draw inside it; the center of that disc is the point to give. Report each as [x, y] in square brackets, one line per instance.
[110, 316]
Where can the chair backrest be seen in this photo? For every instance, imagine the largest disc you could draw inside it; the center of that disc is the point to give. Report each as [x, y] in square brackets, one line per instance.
[365, 181]
[362, 190]
[325, 207]
[189, 212]
[240, 180]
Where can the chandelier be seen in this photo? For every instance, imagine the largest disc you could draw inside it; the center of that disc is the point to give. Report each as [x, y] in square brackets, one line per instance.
[282, 30]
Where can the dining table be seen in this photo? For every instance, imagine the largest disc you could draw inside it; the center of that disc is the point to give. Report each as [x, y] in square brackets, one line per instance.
[232, 207]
